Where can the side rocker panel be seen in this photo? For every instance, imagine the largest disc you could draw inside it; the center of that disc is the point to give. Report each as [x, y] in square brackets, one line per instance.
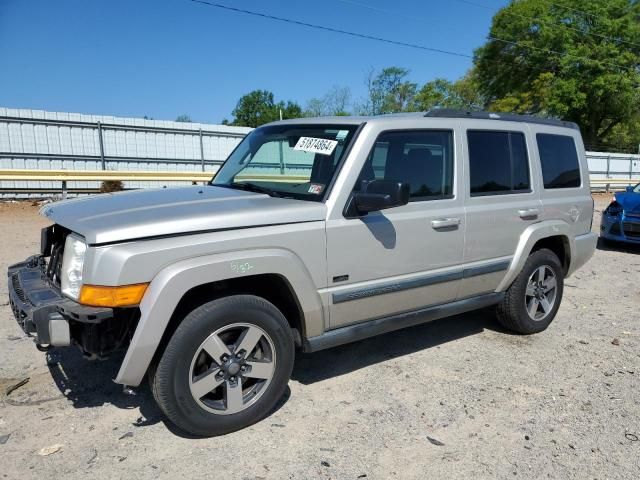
[170, 285]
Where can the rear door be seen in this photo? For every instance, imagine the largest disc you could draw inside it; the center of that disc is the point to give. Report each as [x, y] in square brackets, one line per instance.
[502, 200]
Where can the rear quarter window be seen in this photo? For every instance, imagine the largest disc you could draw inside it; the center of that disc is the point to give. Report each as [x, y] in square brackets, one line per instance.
[559, 161]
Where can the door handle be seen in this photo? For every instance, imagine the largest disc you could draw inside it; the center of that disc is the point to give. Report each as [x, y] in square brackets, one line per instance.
[529, 213]
[442, 223]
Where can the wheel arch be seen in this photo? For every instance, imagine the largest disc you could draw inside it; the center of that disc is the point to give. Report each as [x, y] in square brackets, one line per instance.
[558, 244]
[554, 235]
[182, 286]
[273, 287]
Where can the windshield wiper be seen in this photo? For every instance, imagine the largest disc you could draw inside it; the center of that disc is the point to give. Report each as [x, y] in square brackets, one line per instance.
[252, 187]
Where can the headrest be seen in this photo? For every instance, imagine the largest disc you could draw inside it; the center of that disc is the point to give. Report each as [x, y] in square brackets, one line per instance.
[419, 155]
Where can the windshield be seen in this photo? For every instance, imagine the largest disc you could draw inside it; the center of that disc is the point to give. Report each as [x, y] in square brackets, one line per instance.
[294, 161]
[636, 189]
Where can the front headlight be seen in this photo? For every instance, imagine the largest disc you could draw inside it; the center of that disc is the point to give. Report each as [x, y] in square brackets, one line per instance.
[72, 264]
[614, 209]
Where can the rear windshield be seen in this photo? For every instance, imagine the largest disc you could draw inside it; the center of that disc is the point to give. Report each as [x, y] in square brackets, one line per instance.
[292, 161]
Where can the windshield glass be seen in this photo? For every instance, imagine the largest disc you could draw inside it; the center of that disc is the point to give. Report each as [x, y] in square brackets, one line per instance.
[636, 189]
[294, 161]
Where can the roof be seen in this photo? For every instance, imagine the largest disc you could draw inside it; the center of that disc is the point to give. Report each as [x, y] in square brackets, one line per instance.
[436, 113]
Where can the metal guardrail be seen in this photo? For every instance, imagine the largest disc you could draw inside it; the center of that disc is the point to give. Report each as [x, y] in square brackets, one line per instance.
[608, 184]
[132, 175]
[103, 175]
[65, 176]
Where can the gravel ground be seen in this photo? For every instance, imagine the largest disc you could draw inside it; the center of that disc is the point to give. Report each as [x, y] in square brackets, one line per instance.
[457, 398]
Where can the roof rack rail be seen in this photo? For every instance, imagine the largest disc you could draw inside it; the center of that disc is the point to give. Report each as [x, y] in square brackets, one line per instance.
[507, 117]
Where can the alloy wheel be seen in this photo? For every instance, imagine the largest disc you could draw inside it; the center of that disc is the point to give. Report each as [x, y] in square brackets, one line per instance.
[232, 368]
[540, 296]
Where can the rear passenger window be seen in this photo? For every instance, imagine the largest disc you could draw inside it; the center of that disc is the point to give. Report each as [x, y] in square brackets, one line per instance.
[559, 160]
[421, 158]
[498, 163]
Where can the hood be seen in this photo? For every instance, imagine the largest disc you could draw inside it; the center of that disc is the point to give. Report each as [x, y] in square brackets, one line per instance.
[630, 202]
[139, 214]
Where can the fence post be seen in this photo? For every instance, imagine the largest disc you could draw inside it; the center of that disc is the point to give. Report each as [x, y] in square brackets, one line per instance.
[201, 149]
[608, 165]
[281, 158]
[101, 146]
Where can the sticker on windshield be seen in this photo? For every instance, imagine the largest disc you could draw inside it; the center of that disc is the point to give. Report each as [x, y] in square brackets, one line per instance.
[316, 145]
[315, 188]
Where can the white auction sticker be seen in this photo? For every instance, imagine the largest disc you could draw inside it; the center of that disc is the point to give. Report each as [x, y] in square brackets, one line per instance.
[316, 145]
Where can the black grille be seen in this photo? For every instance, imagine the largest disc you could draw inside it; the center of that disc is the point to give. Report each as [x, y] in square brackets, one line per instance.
[54, 237]
[615, 229]
[55, 264]
[18, 288]
[631, 229]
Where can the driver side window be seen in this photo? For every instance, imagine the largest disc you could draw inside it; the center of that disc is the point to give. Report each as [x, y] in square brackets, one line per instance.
[421, 158]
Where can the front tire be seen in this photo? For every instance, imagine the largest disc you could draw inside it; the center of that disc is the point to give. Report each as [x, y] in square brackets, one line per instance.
[532, 301]
[225, 367]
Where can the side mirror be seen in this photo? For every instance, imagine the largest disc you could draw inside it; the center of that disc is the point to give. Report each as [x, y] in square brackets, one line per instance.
[381, 194]
[630, 188]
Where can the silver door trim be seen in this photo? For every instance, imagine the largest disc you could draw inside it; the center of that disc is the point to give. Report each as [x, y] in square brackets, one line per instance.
[396, 286]
[485, 269]
[422, 281]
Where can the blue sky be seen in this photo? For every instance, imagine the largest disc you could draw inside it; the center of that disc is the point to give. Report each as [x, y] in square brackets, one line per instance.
[164, 58]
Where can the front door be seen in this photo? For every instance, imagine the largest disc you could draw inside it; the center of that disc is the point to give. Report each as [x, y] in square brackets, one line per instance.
[403, 258]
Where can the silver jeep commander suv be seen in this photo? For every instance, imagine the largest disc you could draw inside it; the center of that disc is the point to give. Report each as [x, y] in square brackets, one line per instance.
[314, 233]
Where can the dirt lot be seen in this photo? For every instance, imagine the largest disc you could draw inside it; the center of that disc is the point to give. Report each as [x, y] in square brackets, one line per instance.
[561, 404]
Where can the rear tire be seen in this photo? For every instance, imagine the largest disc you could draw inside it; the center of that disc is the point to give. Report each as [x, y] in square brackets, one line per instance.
[225, 367]
[532, 301]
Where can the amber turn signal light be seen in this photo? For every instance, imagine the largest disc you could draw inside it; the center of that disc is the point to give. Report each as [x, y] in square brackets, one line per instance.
[124, 296]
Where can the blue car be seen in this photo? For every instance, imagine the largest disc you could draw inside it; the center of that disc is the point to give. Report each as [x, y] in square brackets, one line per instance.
[621, 219]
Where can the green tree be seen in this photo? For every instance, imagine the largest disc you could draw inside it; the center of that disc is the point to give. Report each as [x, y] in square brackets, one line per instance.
[441, 93]
[258, 107]
[556, 60]
[389, 91]
[624, 137]
[183, 119]
[289, 110]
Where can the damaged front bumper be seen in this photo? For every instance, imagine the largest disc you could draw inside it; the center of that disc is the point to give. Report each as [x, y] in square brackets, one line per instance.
[43, 313]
